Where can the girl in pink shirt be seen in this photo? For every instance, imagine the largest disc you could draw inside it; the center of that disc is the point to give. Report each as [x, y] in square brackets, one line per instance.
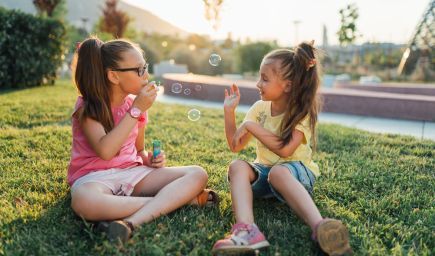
[112, 177]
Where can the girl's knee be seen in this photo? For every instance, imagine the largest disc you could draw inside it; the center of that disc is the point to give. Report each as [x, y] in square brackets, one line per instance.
[240, 170]
[200, 173]
[79, 203]
[235, 165]
[82, 204]
[277, 173]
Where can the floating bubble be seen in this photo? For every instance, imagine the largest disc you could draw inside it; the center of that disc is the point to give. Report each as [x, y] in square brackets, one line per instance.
[194, 114]
[186, 91]
[164, 44]
[176, 88]
[198, 87]
[157, 84]
[214, 59]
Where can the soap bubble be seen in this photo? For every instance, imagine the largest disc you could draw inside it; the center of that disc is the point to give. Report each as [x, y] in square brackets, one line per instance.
[198, 87]
[158, 84]
[186, 91]
[194, 114]
[176, 88]
[214, 59]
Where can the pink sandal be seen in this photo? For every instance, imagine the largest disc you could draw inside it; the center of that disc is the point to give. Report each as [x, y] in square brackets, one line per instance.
[244, 238]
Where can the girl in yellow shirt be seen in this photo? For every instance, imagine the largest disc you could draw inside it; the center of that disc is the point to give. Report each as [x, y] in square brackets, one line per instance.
[283, 122]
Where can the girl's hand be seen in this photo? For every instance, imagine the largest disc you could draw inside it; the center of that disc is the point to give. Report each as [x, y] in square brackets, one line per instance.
[232, 99]
[146, 157]
[159, 161]
[146, 97]
[237, 139]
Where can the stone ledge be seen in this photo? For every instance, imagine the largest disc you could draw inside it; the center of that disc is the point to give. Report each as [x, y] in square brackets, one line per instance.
[418, 89]
[338, 100]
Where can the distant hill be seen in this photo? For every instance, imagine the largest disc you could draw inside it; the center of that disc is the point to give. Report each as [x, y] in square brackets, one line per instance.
[91, 10]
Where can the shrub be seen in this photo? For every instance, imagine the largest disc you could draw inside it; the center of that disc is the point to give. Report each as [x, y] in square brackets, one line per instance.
[31, 49]
[250, 55]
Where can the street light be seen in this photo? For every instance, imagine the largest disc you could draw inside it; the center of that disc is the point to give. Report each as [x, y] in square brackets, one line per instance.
[85, 20]
[296, 23]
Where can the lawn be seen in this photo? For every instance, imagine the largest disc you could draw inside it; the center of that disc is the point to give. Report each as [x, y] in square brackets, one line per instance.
[381, 186]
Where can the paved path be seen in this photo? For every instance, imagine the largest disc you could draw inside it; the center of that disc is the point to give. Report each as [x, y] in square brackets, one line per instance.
[418, 129]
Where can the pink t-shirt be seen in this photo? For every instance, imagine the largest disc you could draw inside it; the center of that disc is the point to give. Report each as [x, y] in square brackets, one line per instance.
[83, 158]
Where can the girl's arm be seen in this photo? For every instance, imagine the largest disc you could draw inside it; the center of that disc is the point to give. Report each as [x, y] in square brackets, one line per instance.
[140, 147]
[147, 157]
[272, 141]
[231, 101]
[140, 139]
[230, 131]
[107, 145]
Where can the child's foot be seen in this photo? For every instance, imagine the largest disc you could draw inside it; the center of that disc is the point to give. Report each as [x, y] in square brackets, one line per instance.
[244, 238]
[207, 197]
[116, 230]
[333, 237]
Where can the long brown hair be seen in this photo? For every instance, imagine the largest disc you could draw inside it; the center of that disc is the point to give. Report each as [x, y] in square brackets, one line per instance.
[300, 68]
[93, 59]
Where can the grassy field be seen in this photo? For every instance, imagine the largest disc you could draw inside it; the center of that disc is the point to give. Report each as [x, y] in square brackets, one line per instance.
[381, 186]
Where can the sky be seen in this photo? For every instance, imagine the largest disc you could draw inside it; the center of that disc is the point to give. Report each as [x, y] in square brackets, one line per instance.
[379, 20]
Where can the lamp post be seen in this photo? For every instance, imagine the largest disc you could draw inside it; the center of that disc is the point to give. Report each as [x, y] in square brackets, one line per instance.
[296, 23]
[85, 21]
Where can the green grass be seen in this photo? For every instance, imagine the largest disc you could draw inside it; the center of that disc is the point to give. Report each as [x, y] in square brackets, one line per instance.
[381, 186]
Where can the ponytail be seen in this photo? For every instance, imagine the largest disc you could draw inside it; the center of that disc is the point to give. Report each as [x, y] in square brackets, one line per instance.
[299, 66]
[93, 58]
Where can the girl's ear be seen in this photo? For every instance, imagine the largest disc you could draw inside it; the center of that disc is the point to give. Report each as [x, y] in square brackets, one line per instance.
[113, 77]
[288, 86]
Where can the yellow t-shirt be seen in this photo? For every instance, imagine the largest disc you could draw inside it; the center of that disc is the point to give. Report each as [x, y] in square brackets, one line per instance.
[260, 113]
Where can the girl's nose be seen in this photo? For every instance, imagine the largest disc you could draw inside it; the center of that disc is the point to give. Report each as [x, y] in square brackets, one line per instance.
[146, 75]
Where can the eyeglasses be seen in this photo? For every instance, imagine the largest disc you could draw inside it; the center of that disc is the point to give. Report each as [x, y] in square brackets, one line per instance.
[140, 70]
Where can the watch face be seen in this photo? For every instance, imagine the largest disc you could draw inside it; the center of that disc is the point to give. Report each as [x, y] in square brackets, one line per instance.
[135, 112]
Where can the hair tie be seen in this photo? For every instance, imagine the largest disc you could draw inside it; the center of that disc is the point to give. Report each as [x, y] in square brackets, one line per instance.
[311, 64]
[78, 44]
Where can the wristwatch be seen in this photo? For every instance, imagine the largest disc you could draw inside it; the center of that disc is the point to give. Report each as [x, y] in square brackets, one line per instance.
[135, 112]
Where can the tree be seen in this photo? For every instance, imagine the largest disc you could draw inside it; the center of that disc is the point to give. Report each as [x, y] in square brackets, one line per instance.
[250, 55]
[347, 34]
[212, 11]
[46, 6]
[114, 21]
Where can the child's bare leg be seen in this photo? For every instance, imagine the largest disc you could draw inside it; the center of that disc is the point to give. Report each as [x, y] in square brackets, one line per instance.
[173, 187]
[241, 176]
[143, 189]
[296, 196]
[94, 201]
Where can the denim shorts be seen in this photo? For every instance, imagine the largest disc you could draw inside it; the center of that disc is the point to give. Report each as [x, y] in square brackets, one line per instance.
[262, 188]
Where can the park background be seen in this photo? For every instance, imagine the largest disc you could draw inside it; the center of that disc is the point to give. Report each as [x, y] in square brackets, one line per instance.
[380, 185]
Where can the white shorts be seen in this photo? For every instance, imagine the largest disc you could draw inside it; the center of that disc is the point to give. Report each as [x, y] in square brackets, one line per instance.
[120, 181]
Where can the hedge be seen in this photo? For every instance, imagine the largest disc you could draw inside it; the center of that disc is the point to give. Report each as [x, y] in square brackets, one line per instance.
[31, 49]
